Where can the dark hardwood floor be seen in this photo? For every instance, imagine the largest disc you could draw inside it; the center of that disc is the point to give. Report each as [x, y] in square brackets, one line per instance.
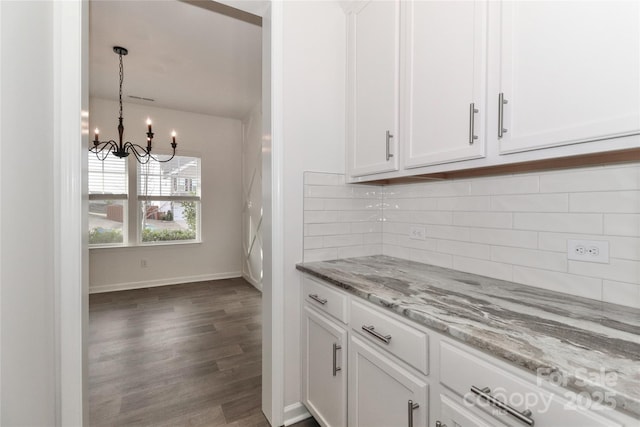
[182, 355]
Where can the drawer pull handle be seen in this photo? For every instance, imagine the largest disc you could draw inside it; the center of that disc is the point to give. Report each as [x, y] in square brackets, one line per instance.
[485, 393]
[336, 347]
[370, 329]
[439, 424]
[410, 408]
[316, 298]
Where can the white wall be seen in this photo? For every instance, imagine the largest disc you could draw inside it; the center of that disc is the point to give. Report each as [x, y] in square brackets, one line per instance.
[252, 197]
[27, 273]
[314, 133]
[219, 143]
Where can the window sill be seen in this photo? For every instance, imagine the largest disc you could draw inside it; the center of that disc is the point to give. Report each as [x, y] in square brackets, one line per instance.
[146, 245]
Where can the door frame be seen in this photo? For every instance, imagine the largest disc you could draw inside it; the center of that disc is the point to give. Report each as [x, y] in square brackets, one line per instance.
[71, 95]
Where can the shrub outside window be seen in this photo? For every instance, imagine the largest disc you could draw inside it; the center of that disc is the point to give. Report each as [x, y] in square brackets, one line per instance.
[107, 201]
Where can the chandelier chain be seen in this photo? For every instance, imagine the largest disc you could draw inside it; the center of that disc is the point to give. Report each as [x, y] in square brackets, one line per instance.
[121, 80]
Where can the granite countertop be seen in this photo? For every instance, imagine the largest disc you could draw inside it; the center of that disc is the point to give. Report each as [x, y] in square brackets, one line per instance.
[586, 345]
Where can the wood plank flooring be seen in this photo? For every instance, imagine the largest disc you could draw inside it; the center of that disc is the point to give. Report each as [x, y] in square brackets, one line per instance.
[182, 355]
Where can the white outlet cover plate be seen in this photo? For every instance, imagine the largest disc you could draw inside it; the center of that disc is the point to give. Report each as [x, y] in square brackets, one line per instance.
[588, 250]
[417, 233]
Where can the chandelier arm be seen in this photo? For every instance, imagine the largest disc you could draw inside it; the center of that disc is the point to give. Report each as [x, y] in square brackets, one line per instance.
[109, 146]
[164, 161]
[140, 153]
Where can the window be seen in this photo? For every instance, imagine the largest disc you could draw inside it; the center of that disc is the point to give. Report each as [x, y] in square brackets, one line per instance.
[107, 200]
[169, 200]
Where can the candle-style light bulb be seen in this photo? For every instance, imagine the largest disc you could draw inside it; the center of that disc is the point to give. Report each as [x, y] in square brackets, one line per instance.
[173, 136]
[97, 134]
[149, 123]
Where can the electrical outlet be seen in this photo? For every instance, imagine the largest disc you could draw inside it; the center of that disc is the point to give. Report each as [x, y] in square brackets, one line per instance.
[588, 250]
[143, 263]
[417, 233]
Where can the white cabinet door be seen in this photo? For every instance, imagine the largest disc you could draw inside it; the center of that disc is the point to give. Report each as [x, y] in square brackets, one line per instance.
[445, 85]
[372, 85]
[380, 391]
[570, 72]
[324, 365]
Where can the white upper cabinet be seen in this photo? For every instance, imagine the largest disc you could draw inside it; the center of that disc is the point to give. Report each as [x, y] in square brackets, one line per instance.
[569, 72]
[372, 85]
[444, 81]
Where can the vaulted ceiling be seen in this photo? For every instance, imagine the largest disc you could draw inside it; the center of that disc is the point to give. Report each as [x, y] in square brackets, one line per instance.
[182, 56]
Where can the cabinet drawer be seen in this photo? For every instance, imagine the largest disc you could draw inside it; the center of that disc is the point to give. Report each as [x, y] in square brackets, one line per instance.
[403, 341]
[460, 370]
[325, 299]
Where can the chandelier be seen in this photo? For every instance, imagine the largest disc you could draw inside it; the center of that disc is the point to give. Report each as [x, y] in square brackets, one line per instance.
[120, 149]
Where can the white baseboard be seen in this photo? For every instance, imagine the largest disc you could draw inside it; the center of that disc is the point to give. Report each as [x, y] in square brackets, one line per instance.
[252, 281]
[295, 413]
[161, 282]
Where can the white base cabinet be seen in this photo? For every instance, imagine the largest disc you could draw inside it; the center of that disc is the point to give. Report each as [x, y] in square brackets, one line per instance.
[382, 384]
[381, 392]
[324, 365]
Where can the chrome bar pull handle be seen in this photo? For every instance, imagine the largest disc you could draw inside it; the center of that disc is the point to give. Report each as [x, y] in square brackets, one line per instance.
[501, 103]
[472, 122]
[316, 298]
[371, 330]
[336, 368]
[389, 136]
[439, 424]
[485, 394]
[411, 406]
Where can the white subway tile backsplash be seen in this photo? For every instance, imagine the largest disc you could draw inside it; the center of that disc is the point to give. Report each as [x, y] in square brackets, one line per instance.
[566, 222]
[328, 229]
[483, 219]
[471, 250]
[526, 184]
[419, 217]
[583, 286]
[366, 227]
[611, 178]
[356, 251]
[530, 258]
[318, 217]
[617, 269]
[313, 204]
[531, 203]
[312, 255]
[605, 201]
[509, 227]
[470, 203]
[351, 204]
[621, 293]
[622, 224]
[447, 232]
[483, 267]
[343, 240]
[430, 257]
[313, 242]
[513, 238]
[396, 251]
[411, 205]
